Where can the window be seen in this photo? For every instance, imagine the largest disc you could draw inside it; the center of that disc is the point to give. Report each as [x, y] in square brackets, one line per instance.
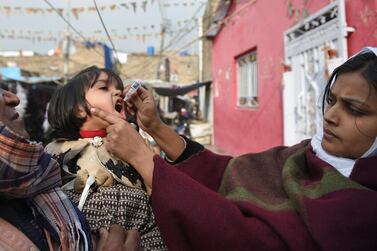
[247, 83]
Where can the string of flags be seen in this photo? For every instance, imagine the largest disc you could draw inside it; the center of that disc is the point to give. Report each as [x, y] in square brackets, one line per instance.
[50, 38]
[132, 5]
[129, 30]
[134, 33]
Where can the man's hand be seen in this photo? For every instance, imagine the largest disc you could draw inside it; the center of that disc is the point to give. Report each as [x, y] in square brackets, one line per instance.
[122, 139]
[118, 239]
[126, 143]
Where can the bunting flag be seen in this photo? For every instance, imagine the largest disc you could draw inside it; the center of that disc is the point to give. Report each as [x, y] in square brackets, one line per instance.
[151, 28]
[131, 5]
[140, 33]
[134, 6]
[100, 36]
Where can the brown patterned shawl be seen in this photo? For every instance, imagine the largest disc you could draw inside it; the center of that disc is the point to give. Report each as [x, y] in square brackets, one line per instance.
[282, 199]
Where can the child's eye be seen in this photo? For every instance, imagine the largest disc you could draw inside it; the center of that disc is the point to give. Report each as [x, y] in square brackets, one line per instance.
[104, 88]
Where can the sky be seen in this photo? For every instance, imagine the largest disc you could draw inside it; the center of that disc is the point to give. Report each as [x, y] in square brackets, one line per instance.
[134, 25]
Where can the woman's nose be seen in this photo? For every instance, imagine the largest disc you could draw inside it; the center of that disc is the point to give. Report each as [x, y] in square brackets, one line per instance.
[10, 98]
[331, 115]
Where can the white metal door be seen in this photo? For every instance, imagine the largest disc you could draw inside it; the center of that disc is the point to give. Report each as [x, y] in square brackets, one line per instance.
[306, 51]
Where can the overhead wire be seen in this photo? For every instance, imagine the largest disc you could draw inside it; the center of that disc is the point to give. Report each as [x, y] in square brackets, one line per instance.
[173, 40]
[71, 26]
[178, 37]
[223, 22]
[104, 27]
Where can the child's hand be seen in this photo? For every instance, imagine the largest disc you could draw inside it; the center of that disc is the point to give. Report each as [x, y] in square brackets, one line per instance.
[142, 105]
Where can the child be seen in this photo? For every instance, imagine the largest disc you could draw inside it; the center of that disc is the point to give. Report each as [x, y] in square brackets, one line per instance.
[119, 194]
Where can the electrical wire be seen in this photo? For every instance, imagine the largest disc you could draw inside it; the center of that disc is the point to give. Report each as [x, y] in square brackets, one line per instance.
[104, 27]
[70, 25]
[223, 22]
[193, 18]
[178, 37]
[173, 40]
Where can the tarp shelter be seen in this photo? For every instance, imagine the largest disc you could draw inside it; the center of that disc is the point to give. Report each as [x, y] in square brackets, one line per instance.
[14, 74]
[34, 94]
[171, 90]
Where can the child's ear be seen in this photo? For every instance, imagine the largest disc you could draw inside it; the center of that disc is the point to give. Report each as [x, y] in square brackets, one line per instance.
[81, 113]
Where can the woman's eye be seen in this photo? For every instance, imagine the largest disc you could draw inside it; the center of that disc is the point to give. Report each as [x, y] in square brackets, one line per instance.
[330, 100]
[104, 88]
[355, 111]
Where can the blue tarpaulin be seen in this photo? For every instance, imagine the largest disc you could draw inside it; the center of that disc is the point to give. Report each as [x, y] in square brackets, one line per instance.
[109, 59]
[14, 74]
[10, 73]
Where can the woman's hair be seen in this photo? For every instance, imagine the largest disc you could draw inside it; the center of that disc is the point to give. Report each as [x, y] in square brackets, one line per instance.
[365, 62]
[67, 100]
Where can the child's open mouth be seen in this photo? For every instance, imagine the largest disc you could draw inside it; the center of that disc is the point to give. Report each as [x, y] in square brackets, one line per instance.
[119, 107]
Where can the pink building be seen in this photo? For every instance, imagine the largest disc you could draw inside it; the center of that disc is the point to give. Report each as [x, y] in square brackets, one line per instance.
[270, 58]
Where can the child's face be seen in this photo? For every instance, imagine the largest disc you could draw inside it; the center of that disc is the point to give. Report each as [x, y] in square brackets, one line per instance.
[105, 96]
[350, 120]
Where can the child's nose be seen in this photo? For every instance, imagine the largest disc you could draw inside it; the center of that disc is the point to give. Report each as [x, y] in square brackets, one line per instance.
[117, 93]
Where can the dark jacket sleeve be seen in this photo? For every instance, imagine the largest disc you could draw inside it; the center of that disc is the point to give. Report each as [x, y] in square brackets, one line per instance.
[192, 148]
[201, 165]
[191, 215]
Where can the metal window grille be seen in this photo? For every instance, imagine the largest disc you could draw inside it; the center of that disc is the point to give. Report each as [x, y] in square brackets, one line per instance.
[247, 83]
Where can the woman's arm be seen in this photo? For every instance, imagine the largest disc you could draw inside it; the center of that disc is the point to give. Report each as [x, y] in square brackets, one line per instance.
[192, 217]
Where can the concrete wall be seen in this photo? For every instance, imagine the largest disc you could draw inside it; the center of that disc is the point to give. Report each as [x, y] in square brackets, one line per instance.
[261, 26]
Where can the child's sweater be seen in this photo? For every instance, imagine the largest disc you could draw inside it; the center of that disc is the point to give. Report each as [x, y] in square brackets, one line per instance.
[119, 194]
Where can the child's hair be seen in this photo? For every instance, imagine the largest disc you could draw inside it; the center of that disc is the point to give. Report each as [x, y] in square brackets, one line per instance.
[364, 62]
[65, 103]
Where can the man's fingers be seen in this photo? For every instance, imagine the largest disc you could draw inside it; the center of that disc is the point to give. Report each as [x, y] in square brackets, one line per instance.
[117, 234]
[132, 242]
[108, 117]
[103, 234]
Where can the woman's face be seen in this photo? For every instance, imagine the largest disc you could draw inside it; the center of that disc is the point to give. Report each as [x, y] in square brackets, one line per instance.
[350, 119]
[105, 96]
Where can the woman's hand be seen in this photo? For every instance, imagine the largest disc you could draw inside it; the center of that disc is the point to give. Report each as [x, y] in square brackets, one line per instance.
[148, 118]
[141, 104]
[126, 143]
[118, 239]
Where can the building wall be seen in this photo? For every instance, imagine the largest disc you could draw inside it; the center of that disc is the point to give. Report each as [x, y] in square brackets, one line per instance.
[183, 69]
[261, 26]
[207, 43]
[361, 15]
